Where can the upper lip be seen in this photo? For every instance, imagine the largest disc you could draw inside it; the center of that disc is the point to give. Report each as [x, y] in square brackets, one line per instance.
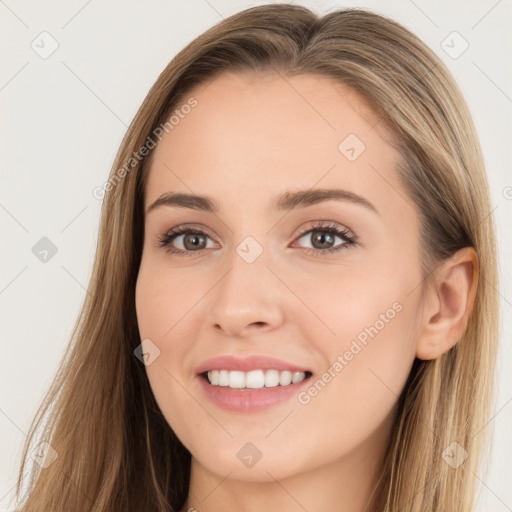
[247, 364]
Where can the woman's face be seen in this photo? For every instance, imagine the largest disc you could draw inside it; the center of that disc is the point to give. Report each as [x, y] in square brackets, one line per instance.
[278, 279]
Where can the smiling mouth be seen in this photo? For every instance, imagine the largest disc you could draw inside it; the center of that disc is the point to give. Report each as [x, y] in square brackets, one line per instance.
[255, 379]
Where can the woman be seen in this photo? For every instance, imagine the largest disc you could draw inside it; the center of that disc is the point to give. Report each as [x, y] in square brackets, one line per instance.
[211, 370]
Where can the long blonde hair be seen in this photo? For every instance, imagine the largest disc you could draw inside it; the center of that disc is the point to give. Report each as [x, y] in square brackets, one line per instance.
[115, 450]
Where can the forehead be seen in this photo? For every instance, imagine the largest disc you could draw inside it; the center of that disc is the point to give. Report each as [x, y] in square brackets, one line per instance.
[249, 137]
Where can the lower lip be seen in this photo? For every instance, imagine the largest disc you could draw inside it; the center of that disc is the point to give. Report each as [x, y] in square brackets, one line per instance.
[249, 400]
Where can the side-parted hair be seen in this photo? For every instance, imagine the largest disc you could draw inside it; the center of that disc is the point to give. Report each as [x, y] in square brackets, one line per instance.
[116, 451]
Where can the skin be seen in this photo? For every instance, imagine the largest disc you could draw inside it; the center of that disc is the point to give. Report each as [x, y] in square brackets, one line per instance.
[249, 140]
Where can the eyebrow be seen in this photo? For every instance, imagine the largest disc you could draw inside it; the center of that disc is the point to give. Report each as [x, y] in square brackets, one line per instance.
[287, 201]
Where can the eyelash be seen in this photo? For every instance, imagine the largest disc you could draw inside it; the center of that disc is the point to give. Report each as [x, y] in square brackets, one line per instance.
[349, 239]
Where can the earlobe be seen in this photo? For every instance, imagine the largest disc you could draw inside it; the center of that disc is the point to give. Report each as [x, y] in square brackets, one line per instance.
[449, 305]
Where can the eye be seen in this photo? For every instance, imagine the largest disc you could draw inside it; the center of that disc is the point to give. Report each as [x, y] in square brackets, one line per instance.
[322, 239]
[187, 239]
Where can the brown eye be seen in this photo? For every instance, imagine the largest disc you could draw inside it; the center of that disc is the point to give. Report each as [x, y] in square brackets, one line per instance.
[185, 241]
[322, 239]
[194, 241]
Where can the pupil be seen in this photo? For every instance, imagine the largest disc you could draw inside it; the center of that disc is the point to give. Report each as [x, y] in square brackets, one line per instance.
[194, 241]
[322, 238]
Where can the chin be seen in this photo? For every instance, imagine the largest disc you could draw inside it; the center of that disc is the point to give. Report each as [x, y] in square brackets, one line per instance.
[268, 468]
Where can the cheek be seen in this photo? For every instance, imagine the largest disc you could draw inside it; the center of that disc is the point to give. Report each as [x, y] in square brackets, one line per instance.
[165, 315]
[367, 365]
[163, 299]
[367, 352]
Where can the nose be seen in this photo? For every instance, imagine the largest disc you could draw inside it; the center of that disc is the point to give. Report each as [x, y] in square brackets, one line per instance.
[247, 299]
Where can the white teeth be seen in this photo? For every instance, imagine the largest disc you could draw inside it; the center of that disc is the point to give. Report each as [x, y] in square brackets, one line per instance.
[271, 378]
[285, 378]
[255, 379]
[223, 378]
[237, 380]
[213, 377]
[298, 377]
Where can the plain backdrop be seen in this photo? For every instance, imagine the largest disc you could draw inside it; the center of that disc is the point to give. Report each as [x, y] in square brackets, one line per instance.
[64, 115]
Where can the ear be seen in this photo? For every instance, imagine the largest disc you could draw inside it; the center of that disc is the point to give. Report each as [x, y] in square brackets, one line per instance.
[449, 304]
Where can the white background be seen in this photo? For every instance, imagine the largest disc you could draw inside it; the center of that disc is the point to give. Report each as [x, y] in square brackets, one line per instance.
[63, 119]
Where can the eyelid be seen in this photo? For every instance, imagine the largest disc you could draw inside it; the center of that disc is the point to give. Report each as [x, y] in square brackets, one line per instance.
[315, 225]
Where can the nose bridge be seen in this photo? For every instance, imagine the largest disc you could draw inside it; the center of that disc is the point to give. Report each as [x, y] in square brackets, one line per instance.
[248, 292]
